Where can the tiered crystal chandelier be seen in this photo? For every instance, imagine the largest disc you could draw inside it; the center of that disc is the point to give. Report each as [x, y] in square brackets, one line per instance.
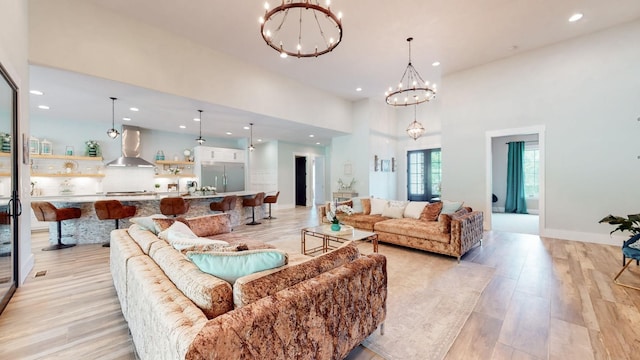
[415, 129]
[301, 28]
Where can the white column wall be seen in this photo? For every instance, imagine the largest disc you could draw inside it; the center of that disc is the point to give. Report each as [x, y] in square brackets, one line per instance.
[286, 170]
[584, 92]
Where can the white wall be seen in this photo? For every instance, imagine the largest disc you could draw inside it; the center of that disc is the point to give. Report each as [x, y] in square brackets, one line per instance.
[585, 93]
[75, 133]
[263, 168]
[374, 133]
[286, 170]
[13, 56]
[79, 36]
[428, 114]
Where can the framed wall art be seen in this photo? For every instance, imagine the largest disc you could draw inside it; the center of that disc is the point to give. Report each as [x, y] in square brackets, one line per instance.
[386, 165]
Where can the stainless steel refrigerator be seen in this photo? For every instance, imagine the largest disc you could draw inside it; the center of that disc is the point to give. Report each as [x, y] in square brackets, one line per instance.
[225, 177]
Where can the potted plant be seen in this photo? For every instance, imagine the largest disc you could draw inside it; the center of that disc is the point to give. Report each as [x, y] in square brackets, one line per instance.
[631, 223]
[92, 148]
[332, 215]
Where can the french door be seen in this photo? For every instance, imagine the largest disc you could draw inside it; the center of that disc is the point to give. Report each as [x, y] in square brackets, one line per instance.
[424, 174]
[10, 207]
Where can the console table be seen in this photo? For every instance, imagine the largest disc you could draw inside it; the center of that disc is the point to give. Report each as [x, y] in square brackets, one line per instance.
[344, 195]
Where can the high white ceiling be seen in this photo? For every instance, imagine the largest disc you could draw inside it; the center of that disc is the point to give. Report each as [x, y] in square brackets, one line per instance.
[460, 34]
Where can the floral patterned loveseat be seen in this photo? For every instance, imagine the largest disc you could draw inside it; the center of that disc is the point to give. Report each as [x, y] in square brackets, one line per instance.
[450, 234]
[310, 308]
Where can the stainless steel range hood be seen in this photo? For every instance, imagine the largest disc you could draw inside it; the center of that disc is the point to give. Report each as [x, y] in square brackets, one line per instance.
[131, 145]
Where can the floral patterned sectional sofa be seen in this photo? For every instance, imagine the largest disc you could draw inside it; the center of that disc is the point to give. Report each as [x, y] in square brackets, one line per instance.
[443, 227]
[310, 308]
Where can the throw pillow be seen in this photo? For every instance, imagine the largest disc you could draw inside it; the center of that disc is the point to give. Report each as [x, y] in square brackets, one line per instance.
[230, 266]
[200, 244]
[177, 230]
[366, 206]
[394, 209]
[449, 207]
[357, 205]
[431, 212]
[146, 222]
[210, 225]
[163, 224]
[377, 206]
[394, 212]
[414, 209]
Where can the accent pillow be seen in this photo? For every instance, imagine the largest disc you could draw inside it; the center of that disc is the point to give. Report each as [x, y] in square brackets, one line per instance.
[357, 205]
[394, 212]
[377, 206]
[176, 231]
[394, 209]
[414, 209]
[431, 212]
[198, 244]
[449, 207]
[366, 206]
[146, 222]
[210, 225]
[230, 266]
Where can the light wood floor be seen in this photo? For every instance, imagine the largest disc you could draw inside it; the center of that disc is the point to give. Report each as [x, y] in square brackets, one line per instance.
[549, 299]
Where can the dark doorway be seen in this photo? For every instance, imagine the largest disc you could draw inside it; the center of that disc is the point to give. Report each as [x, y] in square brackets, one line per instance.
[301, 181]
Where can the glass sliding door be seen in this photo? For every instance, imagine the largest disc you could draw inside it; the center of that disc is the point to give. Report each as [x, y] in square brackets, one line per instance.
[424, 174]
[10, 207]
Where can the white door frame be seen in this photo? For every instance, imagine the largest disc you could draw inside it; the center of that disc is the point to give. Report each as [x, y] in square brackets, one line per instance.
[489, 135]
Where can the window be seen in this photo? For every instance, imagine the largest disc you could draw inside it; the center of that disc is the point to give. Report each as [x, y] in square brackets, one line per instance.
[531, 170]
[424, 174]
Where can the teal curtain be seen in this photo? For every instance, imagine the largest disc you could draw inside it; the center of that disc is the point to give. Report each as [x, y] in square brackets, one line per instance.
[515, 201]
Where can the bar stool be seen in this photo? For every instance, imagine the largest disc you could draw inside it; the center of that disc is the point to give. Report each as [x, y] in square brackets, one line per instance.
[113, 210]
[271, 199]
[173, 206]
[45, 211]
[257, 200]
[228, 203]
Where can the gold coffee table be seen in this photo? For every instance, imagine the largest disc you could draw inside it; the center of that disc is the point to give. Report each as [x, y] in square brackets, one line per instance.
[327, 236]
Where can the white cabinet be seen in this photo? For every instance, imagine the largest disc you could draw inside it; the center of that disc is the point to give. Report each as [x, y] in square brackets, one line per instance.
[207, 155]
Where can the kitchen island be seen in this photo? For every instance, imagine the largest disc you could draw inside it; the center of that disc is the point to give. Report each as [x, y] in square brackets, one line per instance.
[88, 229]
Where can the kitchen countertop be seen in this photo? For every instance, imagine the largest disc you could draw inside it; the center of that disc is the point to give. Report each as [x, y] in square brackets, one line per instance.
[143, 197]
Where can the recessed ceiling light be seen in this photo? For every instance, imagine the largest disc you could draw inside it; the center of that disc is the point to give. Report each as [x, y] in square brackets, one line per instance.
[359, 89]
[311, 135]
[575, 17]
[182, 127]
[229, 133]
[259, 140]
[435, 63]
[43, 107]
[126, 119]
[317, 143]
[36, 92]
[134, 109]
[196, 119]
[246, 127]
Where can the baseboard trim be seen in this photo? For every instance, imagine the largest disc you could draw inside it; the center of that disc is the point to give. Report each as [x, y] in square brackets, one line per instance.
[26, 268]
[584, 237]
